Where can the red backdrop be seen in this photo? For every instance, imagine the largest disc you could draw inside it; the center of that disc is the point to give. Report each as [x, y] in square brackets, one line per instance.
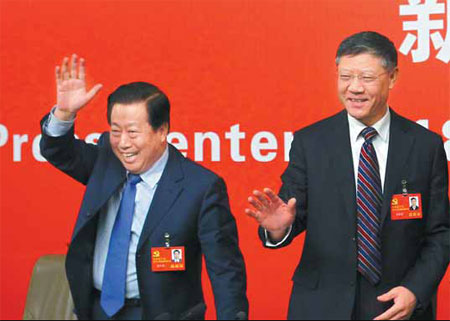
[265, 65]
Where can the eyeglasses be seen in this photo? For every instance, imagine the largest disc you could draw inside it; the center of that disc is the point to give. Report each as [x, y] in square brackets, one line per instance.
[367, 79]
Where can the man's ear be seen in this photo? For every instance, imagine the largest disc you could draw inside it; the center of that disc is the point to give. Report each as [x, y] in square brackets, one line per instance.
[393, 76]
[164, 132]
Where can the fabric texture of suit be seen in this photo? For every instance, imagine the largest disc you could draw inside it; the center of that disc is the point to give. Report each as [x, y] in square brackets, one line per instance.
[191, 204]
[320, 175]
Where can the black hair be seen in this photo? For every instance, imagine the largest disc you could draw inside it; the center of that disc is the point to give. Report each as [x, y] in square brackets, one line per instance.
[158, 105]
[369, 42]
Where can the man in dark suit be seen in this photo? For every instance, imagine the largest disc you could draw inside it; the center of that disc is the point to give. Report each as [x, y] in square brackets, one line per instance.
[358, 262]
[414, 206]
[142, 198]
[176, 257]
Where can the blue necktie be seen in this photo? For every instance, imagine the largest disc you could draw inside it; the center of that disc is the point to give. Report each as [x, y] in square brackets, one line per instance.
[115, 275]
[369, 200]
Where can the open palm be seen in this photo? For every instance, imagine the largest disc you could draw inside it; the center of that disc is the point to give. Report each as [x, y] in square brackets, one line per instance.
[271, 212]
[71, 87]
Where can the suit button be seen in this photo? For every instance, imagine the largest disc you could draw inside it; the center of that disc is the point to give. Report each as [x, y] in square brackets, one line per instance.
[352, 284]
[354, 239]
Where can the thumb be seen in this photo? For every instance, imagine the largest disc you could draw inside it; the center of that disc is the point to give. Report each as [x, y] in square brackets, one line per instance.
[292, 206]
[389, 296]
[91, 94]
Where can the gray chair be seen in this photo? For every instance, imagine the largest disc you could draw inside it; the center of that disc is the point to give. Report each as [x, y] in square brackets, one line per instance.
[49, 296]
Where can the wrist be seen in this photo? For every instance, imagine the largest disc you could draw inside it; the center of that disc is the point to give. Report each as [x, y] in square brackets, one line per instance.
[277, 235]
[64, 115]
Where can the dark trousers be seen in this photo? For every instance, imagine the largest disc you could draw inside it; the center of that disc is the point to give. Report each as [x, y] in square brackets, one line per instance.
[367, 307]
[128, 312]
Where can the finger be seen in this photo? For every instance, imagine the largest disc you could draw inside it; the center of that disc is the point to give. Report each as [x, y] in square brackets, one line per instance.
[91, 94]
[73, 69]
[64, 68]
[255, 203]
[82, 71]
[389, 296]
[272, 196]
[252, 213]
[58, 76]
[393, 311]
[262, 198]
[257, 215]
[400, 316]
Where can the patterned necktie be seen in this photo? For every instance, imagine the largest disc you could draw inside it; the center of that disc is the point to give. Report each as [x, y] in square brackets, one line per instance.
[369, 201]
[115, 275]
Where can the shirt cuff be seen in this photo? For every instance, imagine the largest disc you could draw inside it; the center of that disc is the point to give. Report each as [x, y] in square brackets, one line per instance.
[56, 128]
[270, 244]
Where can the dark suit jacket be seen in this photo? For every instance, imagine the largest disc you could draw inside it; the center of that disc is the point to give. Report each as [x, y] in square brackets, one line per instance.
[190, 203]
[320, 176]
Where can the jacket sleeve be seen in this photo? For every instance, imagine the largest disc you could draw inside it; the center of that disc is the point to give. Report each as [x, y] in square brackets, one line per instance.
[424, 277]
[220, 245]
[72, 156]
[295, 185]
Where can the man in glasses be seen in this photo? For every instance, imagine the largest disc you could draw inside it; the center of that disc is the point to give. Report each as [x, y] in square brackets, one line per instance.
[366, 254]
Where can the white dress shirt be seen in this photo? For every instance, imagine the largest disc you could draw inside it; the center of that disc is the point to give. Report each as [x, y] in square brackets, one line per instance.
[380, 143]
[145, 190]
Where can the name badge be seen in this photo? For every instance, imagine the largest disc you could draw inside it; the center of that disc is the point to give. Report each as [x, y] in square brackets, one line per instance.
[168, 259]
[406, 207]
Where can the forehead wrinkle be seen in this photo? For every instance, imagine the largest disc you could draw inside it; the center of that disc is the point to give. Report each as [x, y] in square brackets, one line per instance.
[128, 124]
[131, 113]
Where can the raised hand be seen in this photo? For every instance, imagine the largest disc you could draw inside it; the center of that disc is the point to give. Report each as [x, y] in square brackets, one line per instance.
[71, 88]
[272, 213]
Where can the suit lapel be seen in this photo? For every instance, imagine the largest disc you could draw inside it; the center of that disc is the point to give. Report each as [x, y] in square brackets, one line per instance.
[168, 190]
[340, 150]
[114, 175]
[100, 189]
[400, 147]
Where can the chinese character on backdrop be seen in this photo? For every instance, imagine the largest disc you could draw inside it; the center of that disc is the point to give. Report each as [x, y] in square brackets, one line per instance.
[427, 22]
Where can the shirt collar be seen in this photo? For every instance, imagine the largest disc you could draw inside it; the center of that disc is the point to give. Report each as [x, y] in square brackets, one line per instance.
[152, 176]
[382, 127]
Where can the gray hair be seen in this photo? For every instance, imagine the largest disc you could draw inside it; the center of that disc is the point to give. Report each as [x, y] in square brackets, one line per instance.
[372, 43]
